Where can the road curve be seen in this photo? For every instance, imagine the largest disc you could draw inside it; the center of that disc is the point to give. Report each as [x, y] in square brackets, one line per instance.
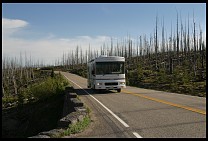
[140, 113]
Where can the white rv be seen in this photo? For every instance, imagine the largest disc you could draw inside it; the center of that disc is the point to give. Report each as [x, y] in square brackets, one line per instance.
[106, 73]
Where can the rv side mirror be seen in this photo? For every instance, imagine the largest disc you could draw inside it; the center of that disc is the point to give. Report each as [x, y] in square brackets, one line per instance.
[126, 71]
[93, 72]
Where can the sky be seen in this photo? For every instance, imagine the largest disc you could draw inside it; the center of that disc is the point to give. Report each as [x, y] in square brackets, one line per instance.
[45, 31]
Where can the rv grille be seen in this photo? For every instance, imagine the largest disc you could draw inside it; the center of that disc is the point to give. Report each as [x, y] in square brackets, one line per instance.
[112, 83]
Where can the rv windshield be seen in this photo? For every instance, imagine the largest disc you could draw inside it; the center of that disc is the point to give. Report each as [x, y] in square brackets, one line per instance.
[109, 68]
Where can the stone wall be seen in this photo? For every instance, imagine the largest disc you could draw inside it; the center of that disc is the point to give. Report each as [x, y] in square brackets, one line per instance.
[73, 112]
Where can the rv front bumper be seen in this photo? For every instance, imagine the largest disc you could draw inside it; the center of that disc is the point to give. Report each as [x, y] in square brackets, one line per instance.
[110, 85]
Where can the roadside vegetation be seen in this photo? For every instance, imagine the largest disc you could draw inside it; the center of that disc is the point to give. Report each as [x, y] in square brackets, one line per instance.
[50, 85]
[74, 128]
[32, 96]
[36, 108]
[78, 127]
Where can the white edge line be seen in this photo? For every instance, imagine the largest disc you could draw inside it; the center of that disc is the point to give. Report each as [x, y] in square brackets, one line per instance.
[126, 125]
[136, 134]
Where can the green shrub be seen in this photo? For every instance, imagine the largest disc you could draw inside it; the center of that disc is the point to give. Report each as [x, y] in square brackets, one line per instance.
[51, 86]
[39, 91]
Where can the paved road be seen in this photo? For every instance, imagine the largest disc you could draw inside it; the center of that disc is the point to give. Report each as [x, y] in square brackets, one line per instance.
[141, 113]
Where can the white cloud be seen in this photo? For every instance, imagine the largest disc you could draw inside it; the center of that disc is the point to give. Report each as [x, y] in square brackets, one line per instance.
[47, 49]
[10, 26]
[13, 23]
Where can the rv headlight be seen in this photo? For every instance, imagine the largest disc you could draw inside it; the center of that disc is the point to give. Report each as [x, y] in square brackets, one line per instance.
[99, 83]
[122, 83]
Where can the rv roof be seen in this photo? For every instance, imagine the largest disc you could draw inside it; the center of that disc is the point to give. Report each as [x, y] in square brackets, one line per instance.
[108, 59]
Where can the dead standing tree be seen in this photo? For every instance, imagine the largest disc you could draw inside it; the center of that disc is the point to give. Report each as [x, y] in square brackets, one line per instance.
[156, 47]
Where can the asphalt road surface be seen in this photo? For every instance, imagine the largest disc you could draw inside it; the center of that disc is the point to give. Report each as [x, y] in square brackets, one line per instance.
[140, 113]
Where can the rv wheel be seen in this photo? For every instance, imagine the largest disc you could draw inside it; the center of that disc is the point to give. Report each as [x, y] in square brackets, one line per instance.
[118, 90]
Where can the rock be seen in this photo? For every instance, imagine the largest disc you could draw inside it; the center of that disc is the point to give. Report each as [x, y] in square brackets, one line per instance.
[69, 119]
[52, 133]
[69, 89]
[80, 117]
[40, 136]
[76, 102]
[72, 95]
[80, 109]
[8, 105]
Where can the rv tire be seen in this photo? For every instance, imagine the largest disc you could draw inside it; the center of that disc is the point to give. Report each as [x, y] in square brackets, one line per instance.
[118, 90]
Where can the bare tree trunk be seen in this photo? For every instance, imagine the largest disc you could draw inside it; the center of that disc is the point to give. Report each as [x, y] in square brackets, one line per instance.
[21, 69]
[156, 48]
[81, 56]
[73, 60]
[129, 47]
[188, 40]
[125, 51]
[137, 48]
[15, 85]
[201, 54]
[181, 43]
[122, 49]
[184, 42]
[163, 42]
[118, 51]
[194, 49]
[3, 91]
[111, 50]
[77, 55]
[177, 41]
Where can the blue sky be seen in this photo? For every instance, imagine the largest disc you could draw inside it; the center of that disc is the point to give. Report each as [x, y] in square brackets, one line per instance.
[68, 25]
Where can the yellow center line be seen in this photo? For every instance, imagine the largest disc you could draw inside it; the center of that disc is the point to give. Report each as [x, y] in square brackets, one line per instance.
[168, 103]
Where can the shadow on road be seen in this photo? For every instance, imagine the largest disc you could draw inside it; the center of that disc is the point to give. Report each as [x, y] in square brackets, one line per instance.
[93, 92]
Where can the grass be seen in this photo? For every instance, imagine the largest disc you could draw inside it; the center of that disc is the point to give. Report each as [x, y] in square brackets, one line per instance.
[76, 128]
[79, 126]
